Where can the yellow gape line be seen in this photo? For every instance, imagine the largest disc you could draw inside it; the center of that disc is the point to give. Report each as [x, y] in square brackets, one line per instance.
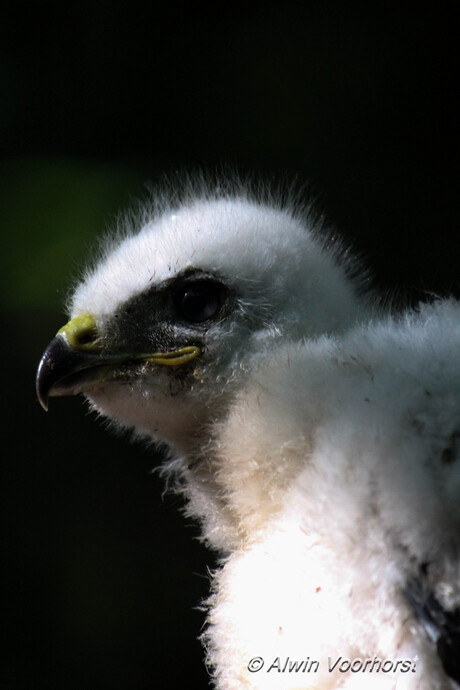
[171, 359]
[81, 334]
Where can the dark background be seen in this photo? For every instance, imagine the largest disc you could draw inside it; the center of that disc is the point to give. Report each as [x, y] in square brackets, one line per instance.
[101, 572]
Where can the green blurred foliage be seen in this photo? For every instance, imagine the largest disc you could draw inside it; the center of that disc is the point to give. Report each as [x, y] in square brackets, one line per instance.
[50, 213]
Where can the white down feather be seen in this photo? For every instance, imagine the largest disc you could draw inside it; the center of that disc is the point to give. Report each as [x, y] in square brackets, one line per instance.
[317, 443]
[339, 461]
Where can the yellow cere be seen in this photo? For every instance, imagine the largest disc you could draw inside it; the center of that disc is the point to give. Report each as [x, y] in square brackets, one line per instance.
[81, 333]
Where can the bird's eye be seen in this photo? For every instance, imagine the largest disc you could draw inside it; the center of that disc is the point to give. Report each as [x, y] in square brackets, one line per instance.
[198, 301]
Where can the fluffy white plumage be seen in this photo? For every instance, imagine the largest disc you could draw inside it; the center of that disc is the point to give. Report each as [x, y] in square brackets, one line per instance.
[315, 437]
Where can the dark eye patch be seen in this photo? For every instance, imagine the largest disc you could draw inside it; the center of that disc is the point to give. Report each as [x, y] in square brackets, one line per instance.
[199, 300]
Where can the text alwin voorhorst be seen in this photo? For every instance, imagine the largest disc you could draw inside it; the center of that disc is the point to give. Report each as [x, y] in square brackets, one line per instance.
[344, 665]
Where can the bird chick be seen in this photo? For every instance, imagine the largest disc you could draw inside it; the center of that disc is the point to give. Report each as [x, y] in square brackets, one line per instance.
[314, 437]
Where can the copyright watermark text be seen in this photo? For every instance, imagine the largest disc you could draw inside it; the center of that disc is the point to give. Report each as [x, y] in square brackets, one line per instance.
[340, 664]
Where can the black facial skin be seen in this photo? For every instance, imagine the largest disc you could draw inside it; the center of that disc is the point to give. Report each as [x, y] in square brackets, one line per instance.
[174, 314]
[162, 320]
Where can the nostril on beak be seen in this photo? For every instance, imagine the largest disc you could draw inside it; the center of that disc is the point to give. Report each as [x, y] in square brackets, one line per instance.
[81, 333]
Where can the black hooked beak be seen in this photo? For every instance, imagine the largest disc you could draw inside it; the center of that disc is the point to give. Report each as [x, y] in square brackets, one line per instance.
[69, 359]
[73, 361]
